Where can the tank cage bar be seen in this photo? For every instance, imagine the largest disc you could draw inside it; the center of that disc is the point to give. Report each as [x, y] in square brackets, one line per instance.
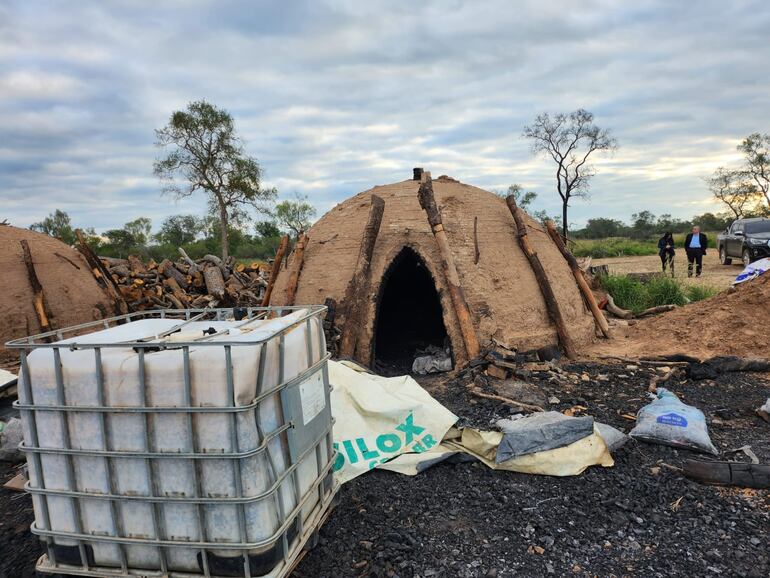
[322, 444]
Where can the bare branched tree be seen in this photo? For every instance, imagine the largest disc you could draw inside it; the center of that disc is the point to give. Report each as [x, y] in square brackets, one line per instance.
[207, 153]
[569, 139]
[756, 148]
[733, 188]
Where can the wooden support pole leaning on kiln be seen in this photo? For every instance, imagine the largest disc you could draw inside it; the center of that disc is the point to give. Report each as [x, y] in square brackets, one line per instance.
[542, 280]
[274, 271]
[463, 312]
[101, 273]
[582, 284]
[298, 261]
[38, 298]
[358, 287]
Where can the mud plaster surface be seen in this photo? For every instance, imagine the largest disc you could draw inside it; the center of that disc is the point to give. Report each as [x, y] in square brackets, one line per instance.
[71, 292]
[502, 292]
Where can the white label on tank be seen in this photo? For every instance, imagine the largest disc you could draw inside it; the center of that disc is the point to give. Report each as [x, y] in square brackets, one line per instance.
[312, 397]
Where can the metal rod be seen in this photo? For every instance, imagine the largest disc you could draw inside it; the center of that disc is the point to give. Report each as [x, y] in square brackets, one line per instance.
[173, 409]
[191, 433]
[70, 468]
[25, 391]
[235, 446]
[108, 464]
[152, 485]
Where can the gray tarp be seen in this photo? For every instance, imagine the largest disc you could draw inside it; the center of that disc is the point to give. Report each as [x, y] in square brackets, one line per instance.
[540, 432]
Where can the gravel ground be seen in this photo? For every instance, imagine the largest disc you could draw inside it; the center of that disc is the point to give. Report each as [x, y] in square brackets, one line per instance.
[639, 518]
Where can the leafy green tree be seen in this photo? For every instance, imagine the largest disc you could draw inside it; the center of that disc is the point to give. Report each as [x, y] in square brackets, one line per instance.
[178, 230]
[642, 225]
[207, 155]
[523, 200]
[601, 228]
[267, 229]
[569, 140]
[139, 230]
[295, 215]
[120, 242]
[57, 224]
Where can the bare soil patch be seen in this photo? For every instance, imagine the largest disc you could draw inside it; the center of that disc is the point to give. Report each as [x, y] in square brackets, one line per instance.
[734, 322]
[714, 273]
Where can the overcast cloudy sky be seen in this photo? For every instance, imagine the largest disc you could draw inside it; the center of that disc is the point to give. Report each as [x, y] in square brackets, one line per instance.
[335, 97]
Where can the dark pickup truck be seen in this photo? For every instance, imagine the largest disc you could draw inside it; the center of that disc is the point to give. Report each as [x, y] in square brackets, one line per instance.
[745, 239]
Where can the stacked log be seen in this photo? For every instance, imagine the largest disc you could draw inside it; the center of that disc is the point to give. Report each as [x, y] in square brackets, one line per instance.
[187, 283]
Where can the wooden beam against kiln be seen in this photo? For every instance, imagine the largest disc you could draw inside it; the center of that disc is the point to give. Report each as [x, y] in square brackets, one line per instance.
[275, 270]
[38, 298]
[297, 262]
[542, 279]
[582, 284]
[358, 287]
[463, 312]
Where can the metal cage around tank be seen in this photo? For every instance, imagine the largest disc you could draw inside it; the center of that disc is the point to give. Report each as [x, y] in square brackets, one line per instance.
[303, 442]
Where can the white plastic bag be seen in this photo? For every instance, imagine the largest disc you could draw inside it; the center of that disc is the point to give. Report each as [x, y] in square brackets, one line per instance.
[670, 422]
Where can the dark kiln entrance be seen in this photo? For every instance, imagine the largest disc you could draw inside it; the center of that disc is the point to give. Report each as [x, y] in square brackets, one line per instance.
[409, 315]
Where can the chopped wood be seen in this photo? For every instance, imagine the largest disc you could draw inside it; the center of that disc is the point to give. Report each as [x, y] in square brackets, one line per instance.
[136, 265]
[580, 279]
[360, 281]
[728, 473]
[215, 282]
[554, 312]
[618, 311]
[476, 252]
[185, 283]
[460, 304]
[167, 268]
[657, 310]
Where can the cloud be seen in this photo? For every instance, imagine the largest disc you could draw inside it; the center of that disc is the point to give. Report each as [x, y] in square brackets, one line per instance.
[335, 97]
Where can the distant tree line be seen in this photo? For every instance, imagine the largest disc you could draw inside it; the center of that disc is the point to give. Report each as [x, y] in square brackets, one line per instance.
[645, 225]
[198, 236]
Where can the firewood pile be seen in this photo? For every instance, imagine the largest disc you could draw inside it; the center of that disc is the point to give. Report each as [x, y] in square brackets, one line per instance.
[187, 283]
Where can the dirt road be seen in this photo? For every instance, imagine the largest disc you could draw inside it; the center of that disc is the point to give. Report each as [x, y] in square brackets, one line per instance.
[714, 274]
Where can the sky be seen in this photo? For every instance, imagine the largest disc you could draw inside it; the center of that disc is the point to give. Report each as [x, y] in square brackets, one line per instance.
[335, 97]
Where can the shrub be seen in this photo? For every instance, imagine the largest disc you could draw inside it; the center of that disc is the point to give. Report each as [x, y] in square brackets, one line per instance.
[613, 247]
[700, 292]
[636, 296]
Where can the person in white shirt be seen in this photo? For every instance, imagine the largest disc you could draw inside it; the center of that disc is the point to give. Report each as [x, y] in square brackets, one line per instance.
[695, 245]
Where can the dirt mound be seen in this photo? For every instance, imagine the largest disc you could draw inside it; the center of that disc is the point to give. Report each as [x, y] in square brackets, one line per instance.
[735, 322]
[71, 292]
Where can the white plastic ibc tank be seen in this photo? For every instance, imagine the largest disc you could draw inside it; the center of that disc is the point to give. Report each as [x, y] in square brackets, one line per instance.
[202, 446]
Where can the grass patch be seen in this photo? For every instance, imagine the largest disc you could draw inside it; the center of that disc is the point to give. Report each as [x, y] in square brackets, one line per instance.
[700, 292]
[613, 247]
[625, 247]
[636, 296]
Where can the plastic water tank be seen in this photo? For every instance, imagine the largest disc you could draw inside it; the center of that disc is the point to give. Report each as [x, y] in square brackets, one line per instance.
[161, 446]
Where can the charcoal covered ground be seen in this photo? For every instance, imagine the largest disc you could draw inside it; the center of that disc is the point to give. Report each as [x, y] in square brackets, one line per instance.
[639, 518]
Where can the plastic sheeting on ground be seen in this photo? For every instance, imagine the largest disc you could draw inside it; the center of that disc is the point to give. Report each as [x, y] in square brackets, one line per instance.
[668, 421]
[394, 424]
[753, 270]
[378, 418]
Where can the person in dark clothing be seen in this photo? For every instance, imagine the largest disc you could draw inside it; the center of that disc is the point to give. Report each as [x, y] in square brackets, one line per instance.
[666, 251]
[695, 245]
